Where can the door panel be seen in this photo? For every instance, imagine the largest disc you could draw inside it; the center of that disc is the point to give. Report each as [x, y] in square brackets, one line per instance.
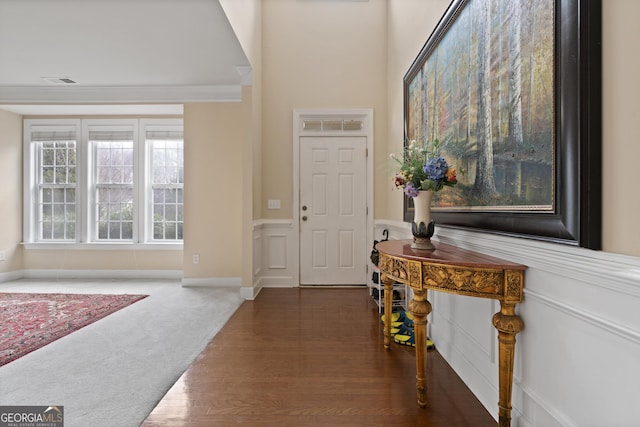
[333, 212]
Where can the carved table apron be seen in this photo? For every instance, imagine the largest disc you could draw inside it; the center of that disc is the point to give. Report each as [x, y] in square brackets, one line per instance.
[461, 272]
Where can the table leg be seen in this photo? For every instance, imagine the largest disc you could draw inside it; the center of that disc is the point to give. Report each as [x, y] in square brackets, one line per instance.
[388, 302]
[508, 325]
[420, 308]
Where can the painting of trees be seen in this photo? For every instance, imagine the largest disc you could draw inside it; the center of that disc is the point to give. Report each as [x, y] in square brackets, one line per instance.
[486, 91]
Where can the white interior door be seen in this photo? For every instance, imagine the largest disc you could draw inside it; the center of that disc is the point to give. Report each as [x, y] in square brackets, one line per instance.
[333, 210]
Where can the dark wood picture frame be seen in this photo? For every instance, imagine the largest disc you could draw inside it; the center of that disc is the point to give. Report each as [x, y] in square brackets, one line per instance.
[575, 217]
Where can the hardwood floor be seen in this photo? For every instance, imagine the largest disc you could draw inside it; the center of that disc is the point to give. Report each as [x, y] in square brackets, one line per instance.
[313, 357]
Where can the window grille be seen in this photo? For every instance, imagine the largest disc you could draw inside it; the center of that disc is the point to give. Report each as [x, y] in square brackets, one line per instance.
[329, 125]
[113, 183]
[167, 184]
[56, 185]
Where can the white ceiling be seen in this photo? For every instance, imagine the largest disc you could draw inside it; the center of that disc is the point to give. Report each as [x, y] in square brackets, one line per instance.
[118, 51]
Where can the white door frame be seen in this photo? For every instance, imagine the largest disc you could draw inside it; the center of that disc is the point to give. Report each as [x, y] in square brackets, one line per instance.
[299, 118]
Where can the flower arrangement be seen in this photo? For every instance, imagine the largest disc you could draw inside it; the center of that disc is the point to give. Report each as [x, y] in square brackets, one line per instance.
[422, 168]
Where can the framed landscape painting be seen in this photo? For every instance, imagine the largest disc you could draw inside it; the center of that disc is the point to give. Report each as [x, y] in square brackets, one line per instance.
[511, 91]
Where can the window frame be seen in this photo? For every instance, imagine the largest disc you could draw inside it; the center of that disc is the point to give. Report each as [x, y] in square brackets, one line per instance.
[91, 169]
[155, 125]
[31, 193]
[86, 218]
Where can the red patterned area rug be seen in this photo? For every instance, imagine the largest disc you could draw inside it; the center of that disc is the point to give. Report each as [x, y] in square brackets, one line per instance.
[31, 321]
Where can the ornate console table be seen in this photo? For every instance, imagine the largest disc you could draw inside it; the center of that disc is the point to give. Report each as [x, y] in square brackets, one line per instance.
[462, 272]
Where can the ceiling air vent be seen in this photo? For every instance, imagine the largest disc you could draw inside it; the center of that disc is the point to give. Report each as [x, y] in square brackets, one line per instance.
[59, 80]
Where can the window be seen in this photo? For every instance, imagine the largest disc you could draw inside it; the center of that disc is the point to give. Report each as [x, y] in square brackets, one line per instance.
[167, 182]
[56, 182]
[104, 181]
[112, 181]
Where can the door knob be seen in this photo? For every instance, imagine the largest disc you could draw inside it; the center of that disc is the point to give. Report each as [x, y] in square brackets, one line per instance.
[304, 208]
[304, 218]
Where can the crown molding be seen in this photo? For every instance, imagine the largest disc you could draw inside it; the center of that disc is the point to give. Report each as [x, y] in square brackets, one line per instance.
[67, 109]
[119, 94]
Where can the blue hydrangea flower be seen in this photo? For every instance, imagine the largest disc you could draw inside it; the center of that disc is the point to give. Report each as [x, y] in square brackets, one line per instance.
[436, 168]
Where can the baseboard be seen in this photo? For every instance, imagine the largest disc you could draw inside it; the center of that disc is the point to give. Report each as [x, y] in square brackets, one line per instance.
[103, 274]
[11, 275]
[212, 282]
[248, 293]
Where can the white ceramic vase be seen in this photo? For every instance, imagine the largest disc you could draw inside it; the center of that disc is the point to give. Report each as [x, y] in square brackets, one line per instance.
[423, 226]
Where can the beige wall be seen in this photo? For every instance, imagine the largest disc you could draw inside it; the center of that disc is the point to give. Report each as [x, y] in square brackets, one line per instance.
[316, 55]
[343, 55]
[620, 140]
[213, 203]
[250, 181]
[117, 260]
[10, 191]
[296, 75]
[245, 17]
[213, 135]
[412, 21]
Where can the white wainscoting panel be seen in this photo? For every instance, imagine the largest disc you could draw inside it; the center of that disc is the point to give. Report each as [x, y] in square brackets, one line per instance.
[276, 262]
[277, 252]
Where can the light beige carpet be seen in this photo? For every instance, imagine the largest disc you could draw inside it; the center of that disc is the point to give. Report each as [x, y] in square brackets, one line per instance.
[113, 372]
